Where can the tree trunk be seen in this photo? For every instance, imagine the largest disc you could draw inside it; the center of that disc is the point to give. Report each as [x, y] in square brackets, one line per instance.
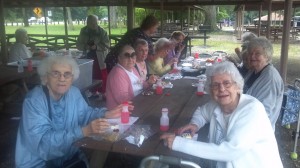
[70, 21]
[113, 17]
[210, 16]
[25, 17]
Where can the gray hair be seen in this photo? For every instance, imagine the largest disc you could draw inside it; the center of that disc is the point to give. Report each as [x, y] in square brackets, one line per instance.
[91, 18]
[139, 42]
[264, 43]
[19, 33]
[248, 36]
[161, 44]
[46, 66]
[225, 67]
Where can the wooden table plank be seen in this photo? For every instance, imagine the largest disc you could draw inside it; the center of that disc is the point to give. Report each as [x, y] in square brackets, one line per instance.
[181, 103]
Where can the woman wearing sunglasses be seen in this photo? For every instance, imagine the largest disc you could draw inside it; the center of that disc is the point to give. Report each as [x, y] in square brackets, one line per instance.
[124, 81]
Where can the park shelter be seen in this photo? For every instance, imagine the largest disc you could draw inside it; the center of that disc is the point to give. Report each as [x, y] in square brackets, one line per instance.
[276, 19]
[242, 5]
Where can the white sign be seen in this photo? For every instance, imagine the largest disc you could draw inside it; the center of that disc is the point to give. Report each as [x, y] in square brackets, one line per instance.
[49, 13]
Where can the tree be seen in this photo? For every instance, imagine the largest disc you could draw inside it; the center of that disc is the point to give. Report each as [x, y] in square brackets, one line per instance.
[70, 21]
[113, 17]
[210, 16]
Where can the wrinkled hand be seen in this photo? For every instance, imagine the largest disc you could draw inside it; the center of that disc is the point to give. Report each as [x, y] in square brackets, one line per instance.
[96, 126]
[152, 79]
[116, 112]
[190, 127]
[180, 47]
[173, 60]
[238, 51]
[168, 139]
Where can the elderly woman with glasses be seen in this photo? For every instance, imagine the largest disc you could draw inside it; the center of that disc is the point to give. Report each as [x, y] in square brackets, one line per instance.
[55, 115]
[263, 80]
[240, 134]
[124, 81]
[177, 38]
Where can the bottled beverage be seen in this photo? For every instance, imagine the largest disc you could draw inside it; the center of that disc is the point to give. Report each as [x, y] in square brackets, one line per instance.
[196, 56]
[200, 88]
[29, 65]
[125, 113]
[219, 59]
[20, 67]
[201, 83]
[159, 89]
[164, 120]
[175, 65]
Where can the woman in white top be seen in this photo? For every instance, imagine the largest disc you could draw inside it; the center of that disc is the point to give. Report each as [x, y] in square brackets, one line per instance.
[240, 134]
[19, 50]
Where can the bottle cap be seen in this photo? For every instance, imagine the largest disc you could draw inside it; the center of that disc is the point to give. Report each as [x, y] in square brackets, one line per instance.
[164, 110]
[125, 103]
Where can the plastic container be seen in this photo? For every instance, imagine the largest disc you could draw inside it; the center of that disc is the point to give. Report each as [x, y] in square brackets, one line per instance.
[125, 113]
[219, 59]
[159, 89]
[20, 67]
[175, 66]
[164, 120]
[200, 88]
[201, 84]
[196, 56]
[29, 65]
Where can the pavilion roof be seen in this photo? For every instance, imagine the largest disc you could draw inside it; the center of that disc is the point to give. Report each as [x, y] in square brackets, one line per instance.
[137, 3]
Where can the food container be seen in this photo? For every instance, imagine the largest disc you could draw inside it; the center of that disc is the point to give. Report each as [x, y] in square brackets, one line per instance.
[85, 78]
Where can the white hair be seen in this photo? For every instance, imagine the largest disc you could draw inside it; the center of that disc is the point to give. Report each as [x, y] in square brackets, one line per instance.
[225, 67]
[162, 43]
[46, 66]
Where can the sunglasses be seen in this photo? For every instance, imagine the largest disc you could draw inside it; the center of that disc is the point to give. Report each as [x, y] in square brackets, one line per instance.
[128, 55]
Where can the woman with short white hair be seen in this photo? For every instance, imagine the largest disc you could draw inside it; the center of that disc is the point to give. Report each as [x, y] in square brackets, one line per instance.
[19, 50]
[240, 134]
[55, 115]
[161, 49]
[263, 80]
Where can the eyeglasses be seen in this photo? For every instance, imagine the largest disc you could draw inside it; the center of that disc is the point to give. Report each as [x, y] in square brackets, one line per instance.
[226, 84]
[128, 55]
[56, 74]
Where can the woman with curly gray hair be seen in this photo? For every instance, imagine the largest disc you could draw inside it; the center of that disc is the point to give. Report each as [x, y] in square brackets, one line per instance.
[263, 80]
[240, 134]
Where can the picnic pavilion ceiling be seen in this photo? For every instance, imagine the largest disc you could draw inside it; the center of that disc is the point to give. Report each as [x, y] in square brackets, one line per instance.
[137, 3]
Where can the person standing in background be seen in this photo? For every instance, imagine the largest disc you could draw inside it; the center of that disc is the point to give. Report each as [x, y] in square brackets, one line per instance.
[147, 28]
[94, 41]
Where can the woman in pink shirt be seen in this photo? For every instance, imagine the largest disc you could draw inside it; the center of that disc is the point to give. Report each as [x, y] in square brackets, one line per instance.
[124, 82]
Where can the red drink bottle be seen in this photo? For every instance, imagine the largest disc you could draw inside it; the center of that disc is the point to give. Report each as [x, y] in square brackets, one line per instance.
[164, 120]
[125, 113]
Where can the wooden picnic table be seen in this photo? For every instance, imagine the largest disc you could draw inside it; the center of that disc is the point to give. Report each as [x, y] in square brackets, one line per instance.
[181, 101]
[10, 74]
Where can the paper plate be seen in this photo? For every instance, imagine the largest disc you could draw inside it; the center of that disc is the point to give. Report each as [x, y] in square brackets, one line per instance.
[186, 65]
[189, 69]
